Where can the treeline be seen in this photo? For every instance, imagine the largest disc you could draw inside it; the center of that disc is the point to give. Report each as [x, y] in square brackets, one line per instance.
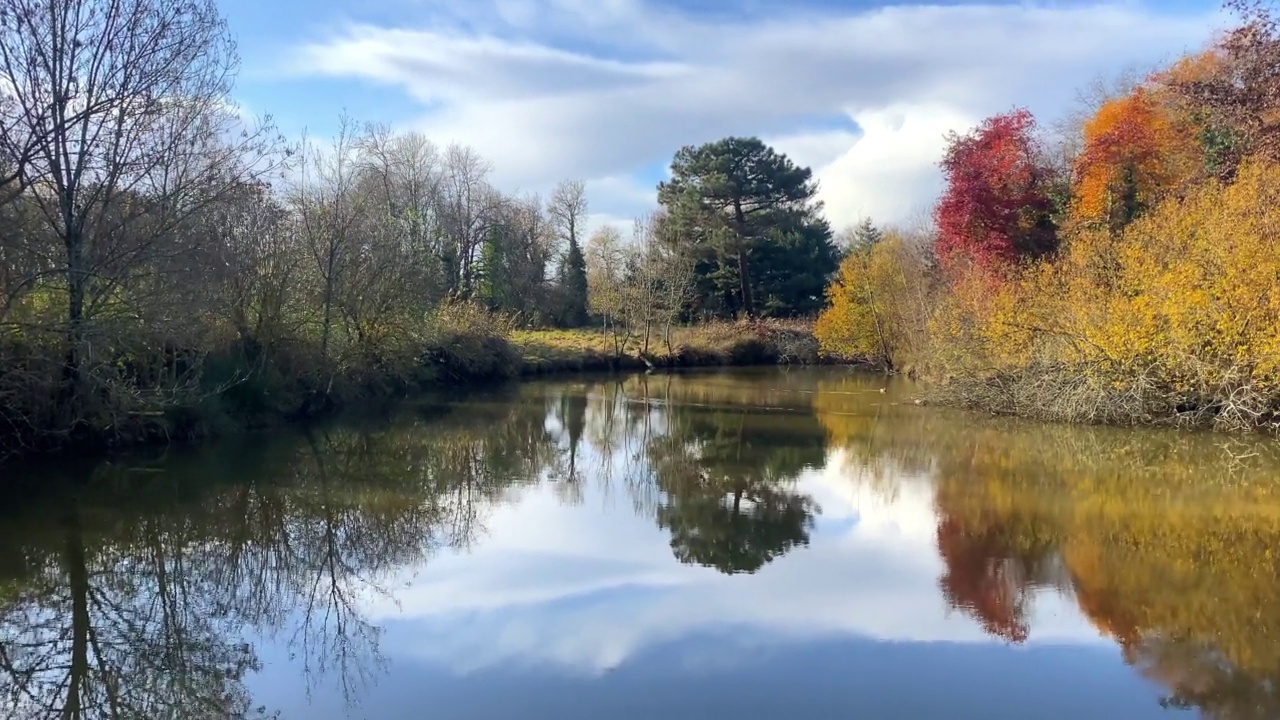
[161, 254]
[1121, 269]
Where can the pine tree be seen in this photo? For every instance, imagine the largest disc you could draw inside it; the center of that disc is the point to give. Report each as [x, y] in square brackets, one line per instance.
[573, 283]
[864, 236]
[736, 204]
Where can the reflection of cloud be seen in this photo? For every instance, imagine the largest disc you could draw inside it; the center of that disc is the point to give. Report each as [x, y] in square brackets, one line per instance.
[587, 587]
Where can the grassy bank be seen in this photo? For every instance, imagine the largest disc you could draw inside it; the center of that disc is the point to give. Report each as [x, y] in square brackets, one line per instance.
[708, 345]
[179, 396]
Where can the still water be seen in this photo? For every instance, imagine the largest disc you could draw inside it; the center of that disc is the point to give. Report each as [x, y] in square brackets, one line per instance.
[750, 544]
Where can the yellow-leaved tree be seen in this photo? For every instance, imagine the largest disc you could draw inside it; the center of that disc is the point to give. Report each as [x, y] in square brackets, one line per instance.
[878, 304]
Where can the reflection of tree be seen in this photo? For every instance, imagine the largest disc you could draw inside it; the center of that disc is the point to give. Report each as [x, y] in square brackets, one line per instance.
[1166, 541]
[101, 634]
[990, 575]
[725, 463]
[735, 528]
[134, 598]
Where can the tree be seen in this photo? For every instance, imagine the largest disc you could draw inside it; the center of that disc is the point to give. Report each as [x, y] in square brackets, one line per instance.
[567, 210]
[731, 199]
[1237, 85]
[117, 115]
[996, 208]
[794, 266]
[513, 269]
[468, 206]
[608, 262]
[664, 279]
[329, 209]
[1135, 152]
[861, 236]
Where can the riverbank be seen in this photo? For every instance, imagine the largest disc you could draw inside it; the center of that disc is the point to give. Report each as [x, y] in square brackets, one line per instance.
[252, 390]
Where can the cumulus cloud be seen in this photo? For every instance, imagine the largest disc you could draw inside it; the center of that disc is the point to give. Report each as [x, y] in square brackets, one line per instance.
[598, 90]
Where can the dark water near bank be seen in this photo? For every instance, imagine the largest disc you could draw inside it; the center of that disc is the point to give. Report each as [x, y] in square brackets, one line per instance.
[760, 544]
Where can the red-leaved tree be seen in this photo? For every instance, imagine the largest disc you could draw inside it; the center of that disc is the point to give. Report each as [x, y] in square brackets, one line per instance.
[997, 206]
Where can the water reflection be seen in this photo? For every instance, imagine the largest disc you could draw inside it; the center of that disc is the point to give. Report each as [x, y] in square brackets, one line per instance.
[785, 531]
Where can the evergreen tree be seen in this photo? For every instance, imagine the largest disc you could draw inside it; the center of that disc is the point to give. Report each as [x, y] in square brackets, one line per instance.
[737, 204]
[573, 285]
[864, 236]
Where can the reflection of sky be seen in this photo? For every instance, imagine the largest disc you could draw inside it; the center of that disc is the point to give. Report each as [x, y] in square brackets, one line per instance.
[575, 610]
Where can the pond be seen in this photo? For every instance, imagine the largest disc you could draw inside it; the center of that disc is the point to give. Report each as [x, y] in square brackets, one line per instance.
[739, 544]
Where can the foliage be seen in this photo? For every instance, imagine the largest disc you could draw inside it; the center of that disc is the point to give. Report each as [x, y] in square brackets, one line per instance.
[1236, 85]
[1136, 151]
[996, 207]
[878, 304]
[739, 208]
[1156, 303]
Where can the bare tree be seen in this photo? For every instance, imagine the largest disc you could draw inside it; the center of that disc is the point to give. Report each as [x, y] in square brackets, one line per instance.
[469, 206]
[407, 174]
[607, 261]
[567, 209]
[117, 118]
[260, 270]
[329, 211]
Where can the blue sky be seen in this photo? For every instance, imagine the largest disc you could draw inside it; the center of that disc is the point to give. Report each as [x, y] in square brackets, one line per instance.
[606, 90]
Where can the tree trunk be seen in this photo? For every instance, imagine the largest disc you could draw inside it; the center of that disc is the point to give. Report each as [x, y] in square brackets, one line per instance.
[744, 273]
[744, 277]
[77, 279]
[74, 565]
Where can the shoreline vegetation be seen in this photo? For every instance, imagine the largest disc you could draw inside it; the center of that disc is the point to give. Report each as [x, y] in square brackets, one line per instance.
[469, 347]
[1119, 267]
[172, 268]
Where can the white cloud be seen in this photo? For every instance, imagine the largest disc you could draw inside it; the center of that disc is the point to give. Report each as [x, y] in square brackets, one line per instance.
[568, 88]
[889, 172]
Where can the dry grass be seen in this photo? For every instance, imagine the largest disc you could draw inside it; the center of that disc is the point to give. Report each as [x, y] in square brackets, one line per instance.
[762, 342]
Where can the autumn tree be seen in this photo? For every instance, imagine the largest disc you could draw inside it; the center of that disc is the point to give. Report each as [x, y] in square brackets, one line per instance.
[1136, 151]
[735, 199]
[1237, 86]
[877, 305]
[996, 208]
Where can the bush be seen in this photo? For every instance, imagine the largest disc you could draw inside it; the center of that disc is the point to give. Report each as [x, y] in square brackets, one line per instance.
[1171, 320]
[466, 342]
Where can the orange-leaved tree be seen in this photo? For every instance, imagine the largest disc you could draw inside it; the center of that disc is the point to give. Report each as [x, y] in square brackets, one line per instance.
[1137, 150]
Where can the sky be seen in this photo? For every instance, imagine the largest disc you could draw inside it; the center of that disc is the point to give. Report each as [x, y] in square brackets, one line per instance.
[605, 91]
